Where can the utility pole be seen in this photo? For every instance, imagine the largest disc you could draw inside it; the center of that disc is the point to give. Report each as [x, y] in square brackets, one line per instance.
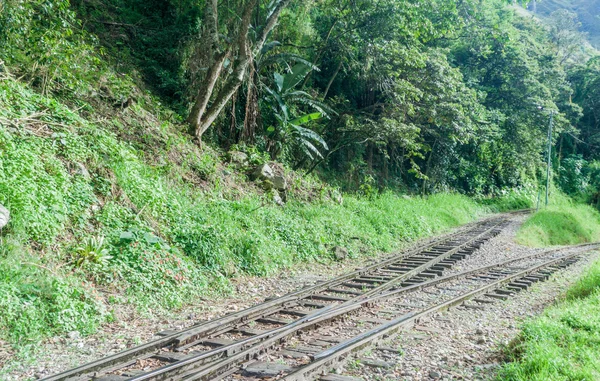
[549, 155]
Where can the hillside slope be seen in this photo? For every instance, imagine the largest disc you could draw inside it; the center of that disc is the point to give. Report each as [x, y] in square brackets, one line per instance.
[122, 208]
[588, 12]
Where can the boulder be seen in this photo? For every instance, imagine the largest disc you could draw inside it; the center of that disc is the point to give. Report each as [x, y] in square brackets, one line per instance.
[4, 216]
[336, 196]
[279, 183]
[340, 253]
[263, 172]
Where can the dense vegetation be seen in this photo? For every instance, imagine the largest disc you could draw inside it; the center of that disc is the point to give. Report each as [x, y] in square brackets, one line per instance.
[120, 121]
[369, 93]
[562, 344]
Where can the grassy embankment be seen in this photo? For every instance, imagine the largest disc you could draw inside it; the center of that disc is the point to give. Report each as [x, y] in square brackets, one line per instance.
[105, 214]
[563, 343]
[562, 223]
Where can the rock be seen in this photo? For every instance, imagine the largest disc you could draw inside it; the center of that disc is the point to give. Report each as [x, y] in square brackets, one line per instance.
[238, 157]
[336, 196]
[277, 198]
[479, 331]
[340, 253]
[267, 185]
[481, 340]
[73, 335]
[434, 375]
[82, 171]
[263, 172]
[375, 363]
[4, 216]
[279, 183]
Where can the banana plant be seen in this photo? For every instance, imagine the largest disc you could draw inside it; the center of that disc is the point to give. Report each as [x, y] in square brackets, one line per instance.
[285, 101]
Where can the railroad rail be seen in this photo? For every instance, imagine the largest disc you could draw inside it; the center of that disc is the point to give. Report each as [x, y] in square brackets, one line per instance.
[482, 286]
[225, 346]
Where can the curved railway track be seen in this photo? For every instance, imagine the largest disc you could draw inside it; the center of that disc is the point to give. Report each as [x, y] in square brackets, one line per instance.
[229, 347]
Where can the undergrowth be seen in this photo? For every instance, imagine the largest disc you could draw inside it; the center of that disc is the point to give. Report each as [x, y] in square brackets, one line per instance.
[562, 344]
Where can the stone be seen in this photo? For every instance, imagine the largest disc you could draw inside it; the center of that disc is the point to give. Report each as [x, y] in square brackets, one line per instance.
[4, 216]
[481, 340]
[267, 185]
[479, 331]
[434, 375]
[82, 171]
[277, 198]
[340, 253]
[279, 183]
[265, 369]
[336, 196]
[73, 335]
[263, 172]
[238, 157]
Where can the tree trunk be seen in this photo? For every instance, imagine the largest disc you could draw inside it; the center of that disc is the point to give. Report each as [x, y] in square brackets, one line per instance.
[335, 73]
[251, 111]
[427, 169]
[204, 115]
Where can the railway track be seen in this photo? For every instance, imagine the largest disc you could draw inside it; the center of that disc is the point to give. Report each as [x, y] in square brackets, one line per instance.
[227, 347]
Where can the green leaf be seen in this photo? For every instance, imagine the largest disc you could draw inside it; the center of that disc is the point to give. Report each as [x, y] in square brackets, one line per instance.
[126, 236]
[306, 118]
[151, 238]
[299, 71]
[278, 81]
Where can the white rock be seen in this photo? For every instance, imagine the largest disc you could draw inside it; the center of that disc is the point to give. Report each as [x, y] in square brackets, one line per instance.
[4, 216]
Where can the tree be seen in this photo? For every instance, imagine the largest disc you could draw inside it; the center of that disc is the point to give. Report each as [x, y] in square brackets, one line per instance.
[217, 87]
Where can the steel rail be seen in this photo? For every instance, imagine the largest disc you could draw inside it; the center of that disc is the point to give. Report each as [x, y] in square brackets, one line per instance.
[330, 356]
[184, 368]
[123, 358]
[231, 321]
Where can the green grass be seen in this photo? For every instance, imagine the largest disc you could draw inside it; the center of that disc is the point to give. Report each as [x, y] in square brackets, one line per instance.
[175, 227]
[564, 223]
[564, 343]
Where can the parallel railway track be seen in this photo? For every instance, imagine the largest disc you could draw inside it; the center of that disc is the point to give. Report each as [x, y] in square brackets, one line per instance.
[227, 347]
